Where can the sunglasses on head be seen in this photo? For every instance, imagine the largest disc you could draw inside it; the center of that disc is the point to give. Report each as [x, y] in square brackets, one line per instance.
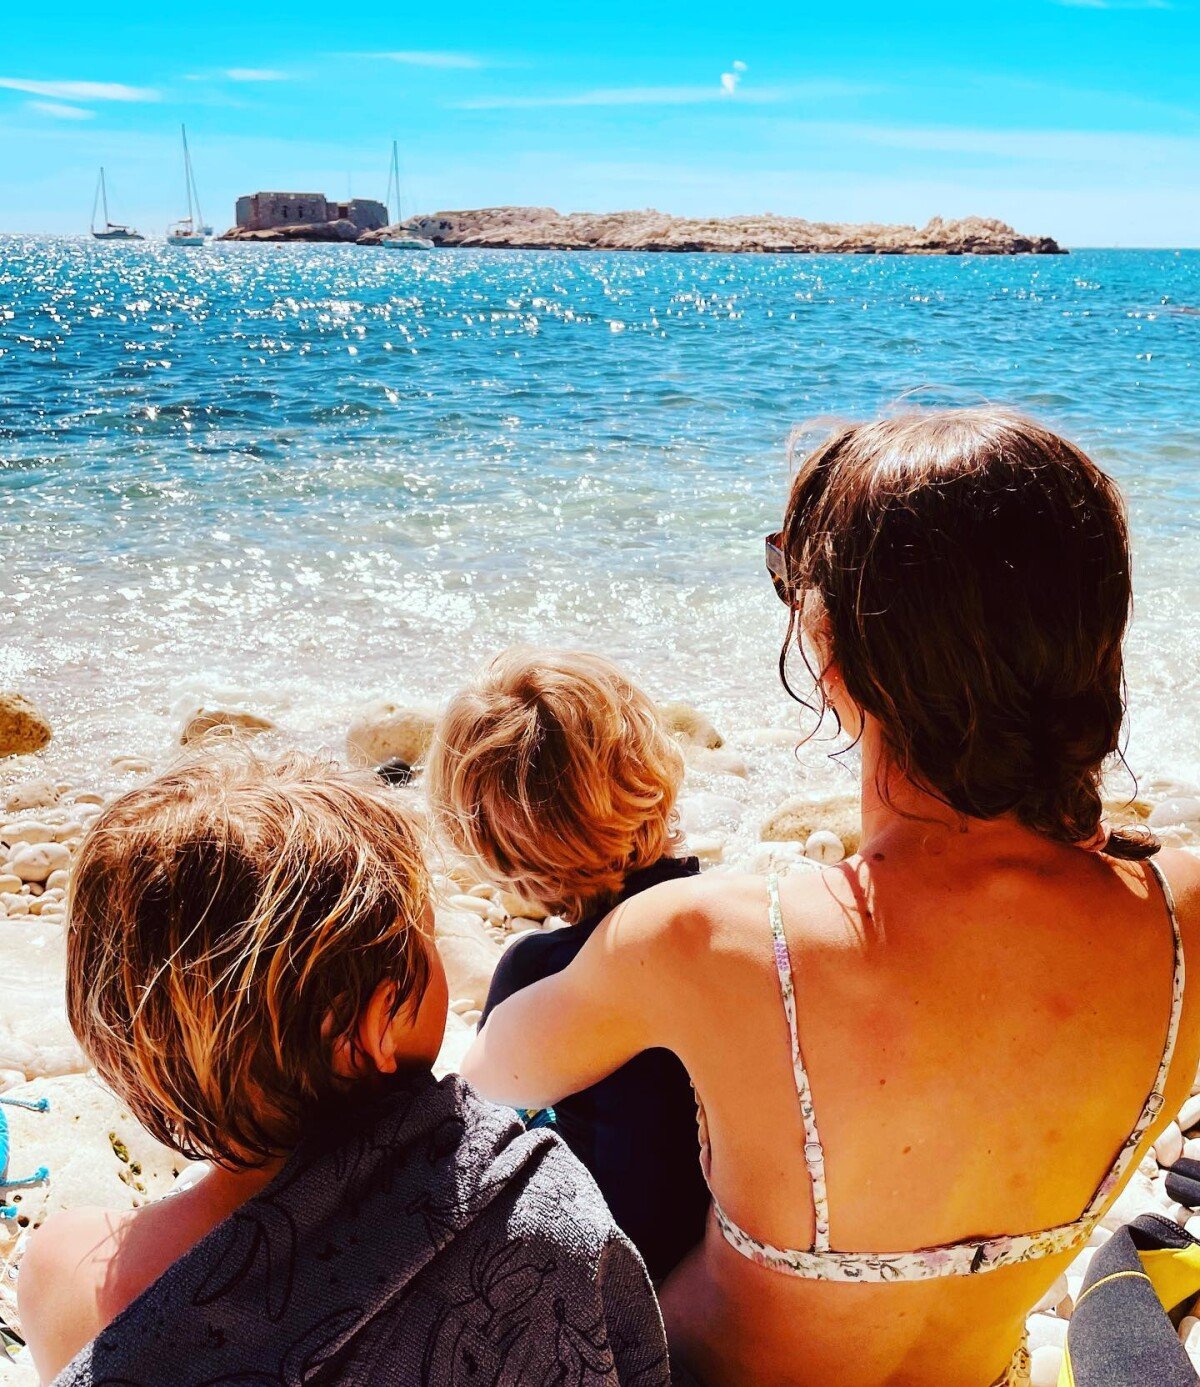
[777, 567]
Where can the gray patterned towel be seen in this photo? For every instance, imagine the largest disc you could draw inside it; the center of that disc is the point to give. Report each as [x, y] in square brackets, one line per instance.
[433, 1242]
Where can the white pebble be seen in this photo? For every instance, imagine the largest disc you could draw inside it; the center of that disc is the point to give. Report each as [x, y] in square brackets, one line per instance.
[1191, 1149]
[58, 880]
[1180, 809]
[1046, 1329]
[68, 831]
[9, 882]
[191, 1174]
[1169, 1147]
[477, 905]
[705, 812]
[88, 797]
[28, 831]
[36, 861]
[824, 846]
[1189, 1114]
[132, 765]
[708, 847]
[10, 1078]
[1045, 1366]
[1188, 1327]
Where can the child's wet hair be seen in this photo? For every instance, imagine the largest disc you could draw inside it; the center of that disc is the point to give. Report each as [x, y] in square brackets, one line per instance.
[228, 923]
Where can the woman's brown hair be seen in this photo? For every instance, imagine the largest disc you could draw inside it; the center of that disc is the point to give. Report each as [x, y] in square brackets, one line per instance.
[229, 922]
[970, 571]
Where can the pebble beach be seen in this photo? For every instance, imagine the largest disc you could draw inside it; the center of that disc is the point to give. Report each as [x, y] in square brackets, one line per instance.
[265, 493]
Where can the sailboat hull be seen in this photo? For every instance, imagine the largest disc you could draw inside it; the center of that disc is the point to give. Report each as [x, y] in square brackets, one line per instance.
[185, 240]
[406, 243]
[118, 233]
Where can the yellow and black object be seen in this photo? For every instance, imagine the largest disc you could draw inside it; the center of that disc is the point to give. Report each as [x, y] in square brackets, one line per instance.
[1123, 1331]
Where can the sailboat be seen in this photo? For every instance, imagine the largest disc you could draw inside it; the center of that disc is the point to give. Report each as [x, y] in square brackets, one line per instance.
[111, 231]
[401, 240]
[189, 230]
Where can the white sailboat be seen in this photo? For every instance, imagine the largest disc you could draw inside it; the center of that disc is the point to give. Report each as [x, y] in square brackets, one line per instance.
[189, 230]
[110, 231]
[401, 240]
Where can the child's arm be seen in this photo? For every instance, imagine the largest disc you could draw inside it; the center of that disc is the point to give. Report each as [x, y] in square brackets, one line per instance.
[565, 1032]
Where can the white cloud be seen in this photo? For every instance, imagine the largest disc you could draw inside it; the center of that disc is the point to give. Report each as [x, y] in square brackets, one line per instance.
[255, 74]
[669, 96]
[1116, 4]
[81, 91]
[730, 81]
[59, 111]
[428, 58]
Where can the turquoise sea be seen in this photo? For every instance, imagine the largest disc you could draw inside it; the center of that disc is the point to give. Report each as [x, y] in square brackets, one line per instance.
[300, 476]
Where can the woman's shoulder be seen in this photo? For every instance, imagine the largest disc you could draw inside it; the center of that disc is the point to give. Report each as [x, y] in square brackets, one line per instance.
[717, 911]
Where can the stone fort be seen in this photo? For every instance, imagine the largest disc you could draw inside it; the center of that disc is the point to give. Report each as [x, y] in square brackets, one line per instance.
[265, 211]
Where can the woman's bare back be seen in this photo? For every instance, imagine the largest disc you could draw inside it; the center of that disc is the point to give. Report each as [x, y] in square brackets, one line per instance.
[981, 1027]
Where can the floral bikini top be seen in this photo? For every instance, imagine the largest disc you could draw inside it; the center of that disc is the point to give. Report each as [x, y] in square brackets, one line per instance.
[821, 1263]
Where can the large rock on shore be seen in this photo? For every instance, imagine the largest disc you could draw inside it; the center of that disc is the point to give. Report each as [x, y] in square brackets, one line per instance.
[797, 819]
[342, 230]
[22, 728]
[382, 730]
[225, 722]
[690, 726]
[95, 1152]
[543, 228]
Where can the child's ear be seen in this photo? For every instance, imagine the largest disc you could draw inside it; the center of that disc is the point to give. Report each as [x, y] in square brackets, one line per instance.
[371, 1046]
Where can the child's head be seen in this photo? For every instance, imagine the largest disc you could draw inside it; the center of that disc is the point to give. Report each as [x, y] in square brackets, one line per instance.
[246, 936]
[556, 775]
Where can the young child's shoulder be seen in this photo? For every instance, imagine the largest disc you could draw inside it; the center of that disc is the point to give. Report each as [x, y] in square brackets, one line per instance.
[66, 1280]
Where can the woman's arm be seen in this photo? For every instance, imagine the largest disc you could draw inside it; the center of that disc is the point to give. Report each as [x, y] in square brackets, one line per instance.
[613, 1001]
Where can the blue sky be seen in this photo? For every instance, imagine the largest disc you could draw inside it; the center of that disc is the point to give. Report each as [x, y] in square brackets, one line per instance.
[1075, 118]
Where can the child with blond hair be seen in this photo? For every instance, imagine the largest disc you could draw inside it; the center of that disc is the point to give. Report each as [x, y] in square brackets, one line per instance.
[251, 968]
[554, 775]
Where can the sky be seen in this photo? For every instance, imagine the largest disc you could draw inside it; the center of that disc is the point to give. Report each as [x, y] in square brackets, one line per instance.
[1078, 119]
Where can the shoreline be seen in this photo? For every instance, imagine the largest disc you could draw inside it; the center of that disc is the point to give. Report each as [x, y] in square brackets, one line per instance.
[543, 228]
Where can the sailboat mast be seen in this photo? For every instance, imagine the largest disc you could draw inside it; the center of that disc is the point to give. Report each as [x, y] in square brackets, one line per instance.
[194, 196]
[104, 196]
[187, 176]
[396, 177]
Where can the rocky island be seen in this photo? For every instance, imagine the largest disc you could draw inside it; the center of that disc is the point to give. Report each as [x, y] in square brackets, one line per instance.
[543, 228]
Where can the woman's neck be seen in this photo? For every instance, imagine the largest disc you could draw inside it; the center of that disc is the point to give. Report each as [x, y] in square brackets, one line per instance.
[898, 812]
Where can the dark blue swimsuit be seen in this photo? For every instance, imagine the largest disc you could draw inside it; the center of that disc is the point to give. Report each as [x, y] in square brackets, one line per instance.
[635, 1130]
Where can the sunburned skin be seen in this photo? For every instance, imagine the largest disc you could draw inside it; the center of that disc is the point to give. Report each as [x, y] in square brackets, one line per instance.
[977, 1057]
[85, 1266]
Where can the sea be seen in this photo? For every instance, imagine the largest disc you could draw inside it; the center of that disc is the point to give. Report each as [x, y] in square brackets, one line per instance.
[295, 478]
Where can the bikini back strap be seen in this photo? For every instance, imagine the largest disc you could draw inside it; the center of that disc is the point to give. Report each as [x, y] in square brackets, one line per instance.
[1154, 1101]
[814, 1152]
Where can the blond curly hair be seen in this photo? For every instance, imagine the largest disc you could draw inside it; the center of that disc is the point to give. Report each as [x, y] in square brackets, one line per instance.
[554, 774]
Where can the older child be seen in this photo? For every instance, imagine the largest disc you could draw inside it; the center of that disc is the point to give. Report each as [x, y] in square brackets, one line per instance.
[251, 969]
[554, 774]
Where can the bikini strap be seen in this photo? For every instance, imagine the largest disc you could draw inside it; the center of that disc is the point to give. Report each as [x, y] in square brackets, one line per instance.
[1157, 1096]
[814, 1152]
